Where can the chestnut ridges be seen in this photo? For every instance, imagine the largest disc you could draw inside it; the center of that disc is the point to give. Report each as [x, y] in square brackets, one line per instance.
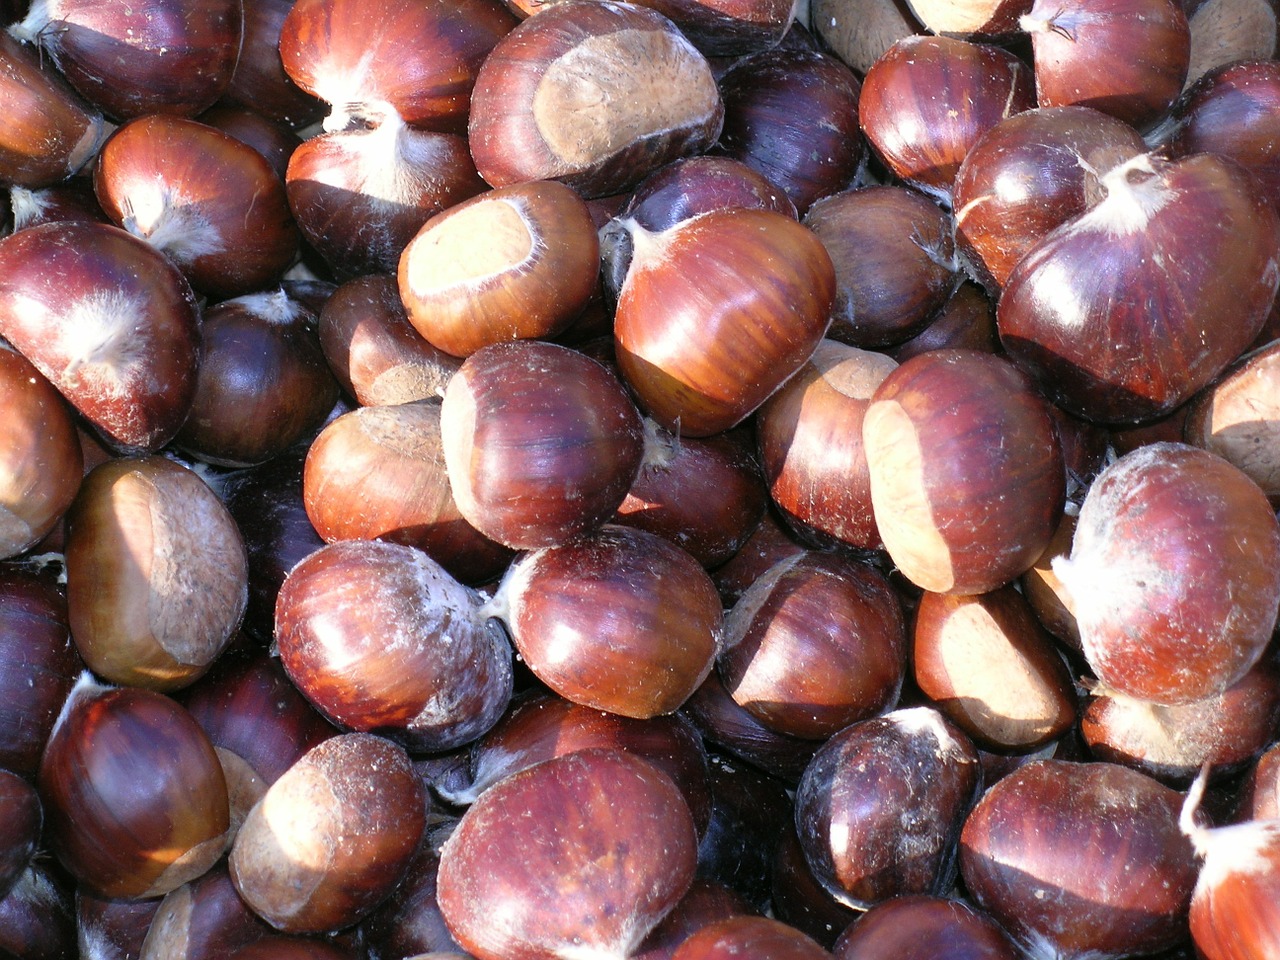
[719, 311]
[1174, 574]
[109, 321]
[581, 855]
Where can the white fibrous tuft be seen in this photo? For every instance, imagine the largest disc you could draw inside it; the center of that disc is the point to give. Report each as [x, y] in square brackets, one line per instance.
[1135, 193]
[103, 342]
[274, 307]
[926, 721]
[178, 229]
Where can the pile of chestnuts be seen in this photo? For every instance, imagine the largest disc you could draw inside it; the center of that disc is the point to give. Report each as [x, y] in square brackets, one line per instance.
[655, 480]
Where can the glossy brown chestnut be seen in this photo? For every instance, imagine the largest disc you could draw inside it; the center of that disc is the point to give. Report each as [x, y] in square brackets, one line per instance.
[271, 138]
[294, 948]
[204, 919]
[986, 663]
[378, 473]
[541, 443]
[409, 921]
[799, 899]
[1080, 860]
[721, 28]
[133, 792]
[210, 203]
[1128, 58]
[719, 311]
[921, 927]
[1174, 573]
[750, 936]
[171, 56]
[360, 195]
[967, 321]
[970, 18]
[72, 199]
[259, 82]
[704, 904]
[112, 929]
[967, 481]
[862, 842]
[598, 95]
[587, 851]
[792, 115]
[49, 132]
[331, 837]
[36, 918]
[928, 100]
[418, 60]
[895, 262]
[40, 457]
[157, 577]
[109, 321]
[817, 643]
[1031, 173]
[21, 822]
[1223, 31]
[263, 383]
[1260, 793]
[381, 638]
[374, 351]
[519, 262]
[619, 620]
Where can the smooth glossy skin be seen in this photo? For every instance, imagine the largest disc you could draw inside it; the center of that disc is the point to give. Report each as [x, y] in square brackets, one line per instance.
[749, 936]
[202, 920]
[927, 100]
[21, 822]
[620, 620]
[921, 927]
[1173, 572]
[541, 443]
[1085, 859]
[588, 850]
[1134, 340]
[1235, 913]
[259, 81]
[717, 312]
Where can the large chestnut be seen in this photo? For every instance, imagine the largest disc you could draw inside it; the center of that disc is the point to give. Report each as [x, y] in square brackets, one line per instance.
[584, 852]
[923, 927]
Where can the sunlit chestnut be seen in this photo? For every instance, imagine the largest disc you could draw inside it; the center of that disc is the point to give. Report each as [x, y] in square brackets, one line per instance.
[271, 138]
[332, 836]
[259, 81]
[171, 56]
[360, 195]
[49, 133]
[40, 457]
[1030, 173]
[970, 18]
[761, 936]
[721, 29]
[268, 507]
[1223, 31]
[928, 100]
[557, 99]
[204, 919]
[374, 351]
[922, 927]
[705, 903]
[543, 725]
[1224, 733]
[1045, 593]
[1260, 792]
[210, 203]
[21, 822]
[1173, 574]
[1128, 58]
[417, 59]
[1083, 859]
[157, 577]
[541, 443]
[769, 542]
[134, 794]
[967, 321]
[814, 645]
[587, 851]
[620, 620]
[519, 262]
[986, 663]
[719, 311]
[263, 383]
[967, 482]
[379, 637]
[409, 921]
[862, 842]
[109, 321]
[792, 115]
[895, 262]
[378, 473]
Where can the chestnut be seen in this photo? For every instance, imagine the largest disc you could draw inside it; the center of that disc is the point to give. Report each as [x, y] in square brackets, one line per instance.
[117, 332]
[583, 852]
[204, 919]
[798, 898]
[274, 141]
[705, 903]
[967, 480]
[519, 262]
[259, 82]
[619, 620]
[719, 311]
[133, 792]
[557, 99]
[745, 935]
[725, 29]
[379, 637]
[541, 443]
[859, 33]
[40, 457]
[36, 918]
[860, 840]
[21, 822]
[332, 837]
[1260, 793]
[923, 927]
[157, 577]
[112, 929]
[1174, 574]
[1080, 860]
